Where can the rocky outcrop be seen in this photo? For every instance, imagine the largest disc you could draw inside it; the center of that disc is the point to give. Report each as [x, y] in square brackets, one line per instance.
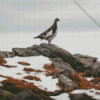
[51, 51]
[6, 54]
[78, 62]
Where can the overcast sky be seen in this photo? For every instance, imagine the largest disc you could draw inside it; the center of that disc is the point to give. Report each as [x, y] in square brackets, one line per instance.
[38, 15]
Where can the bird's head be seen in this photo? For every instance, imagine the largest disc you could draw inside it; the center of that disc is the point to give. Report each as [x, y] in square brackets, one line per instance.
[57, 19]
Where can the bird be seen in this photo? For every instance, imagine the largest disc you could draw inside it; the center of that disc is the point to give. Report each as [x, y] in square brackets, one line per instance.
[50, 33]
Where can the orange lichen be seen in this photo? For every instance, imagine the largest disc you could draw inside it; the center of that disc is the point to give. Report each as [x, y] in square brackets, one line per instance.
[32, 78]
[76, 77]
[28, 69]
[24, 63]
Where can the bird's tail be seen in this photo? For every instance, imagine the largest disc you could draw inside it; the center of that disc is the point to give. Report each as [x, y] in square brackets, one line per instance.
[36, 37]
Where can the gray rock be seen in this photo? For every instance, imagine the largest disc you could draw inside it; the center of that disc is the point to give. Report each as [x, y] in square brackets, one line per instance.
[67, 82]
[58, 63]
[96, 69]
[80, 96]
[25, 52]
[45, 52]
[5, 95]
[63, 54]
[6, 54]
[64, 74]
[88, 61]
[27, 95]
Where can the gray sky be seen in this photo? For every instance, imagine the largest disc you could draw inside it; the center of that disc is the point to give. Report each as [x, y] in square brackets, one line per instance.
[38, 15]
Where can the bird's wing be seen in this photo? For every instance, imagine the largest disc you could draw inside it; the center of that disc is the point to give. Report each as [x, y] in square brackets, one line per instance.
[49, 34]
[46, 33]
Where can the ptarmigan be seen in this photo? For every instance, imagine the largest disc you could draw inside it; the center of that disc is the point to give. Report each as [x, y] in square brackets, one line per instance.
[50, 33]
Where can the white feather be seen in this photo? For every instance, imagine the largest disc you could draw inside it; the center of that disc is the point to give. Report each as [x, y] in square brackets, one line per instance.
[50, 33]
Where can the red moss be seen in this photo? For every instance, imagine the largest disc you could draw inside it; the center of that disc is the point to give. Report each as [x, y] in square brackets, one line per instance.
[96, 80]
[11, 52]
[83, 83]
[16, 86]
[50, 69]
[61, 86]
[2, 61]
[24, 63]
[9, 66]
[18, 73]
[31, 70]
[86, 74]
[32, 78]
[51, 72]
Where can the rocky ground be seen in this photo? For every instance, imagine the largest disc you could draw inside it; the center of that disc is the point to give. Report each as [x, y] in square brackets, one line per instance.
[73, 72]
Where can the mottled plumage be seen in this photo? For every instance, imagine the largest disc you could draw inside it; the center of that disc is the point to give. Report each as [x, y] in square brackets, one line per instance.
[50, 33]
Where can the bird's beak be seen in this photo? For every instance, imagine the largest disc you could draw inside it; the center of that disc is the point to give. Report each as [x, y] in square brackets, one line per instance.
[59, 20]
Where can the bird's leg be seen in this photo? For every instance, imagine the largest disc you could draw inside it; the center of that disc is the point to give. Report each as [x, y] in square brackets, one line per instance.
[49, 41]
